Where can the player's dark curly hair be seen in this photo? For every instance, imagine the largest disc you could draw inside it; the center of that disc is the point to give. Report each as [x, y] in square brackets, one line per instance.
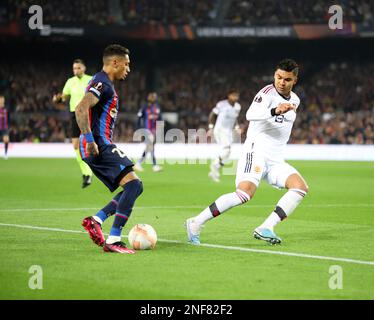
[115, 50]
[288, 65]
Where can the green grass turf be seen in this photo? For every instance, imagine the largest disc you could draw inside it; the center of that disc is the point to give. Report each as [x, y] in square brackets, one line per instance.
[336, 219]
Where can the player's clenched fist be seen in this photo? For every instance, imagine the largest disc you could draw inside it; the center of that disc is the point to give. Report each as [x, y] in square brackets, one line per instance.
[284, 107]
[92, 149]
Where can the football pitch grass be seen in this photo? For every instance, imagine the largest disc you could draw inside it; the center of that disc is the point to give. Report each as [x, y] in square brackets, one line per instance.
[42, 206]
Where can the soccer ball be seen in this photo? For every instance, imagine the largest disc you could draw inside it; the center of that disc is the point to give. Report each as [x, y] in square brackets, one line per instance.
[142, 237]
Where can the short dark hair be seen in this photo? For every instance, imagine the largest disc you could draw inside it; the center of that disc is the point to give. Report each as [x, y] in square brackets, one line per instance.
[288, 65]
[232, 90]
[115, 50]
[79, 61]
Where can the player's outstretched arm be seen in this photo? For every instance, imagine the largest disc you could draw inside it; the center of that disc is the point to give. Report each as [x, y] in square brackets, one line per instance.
[82, 116]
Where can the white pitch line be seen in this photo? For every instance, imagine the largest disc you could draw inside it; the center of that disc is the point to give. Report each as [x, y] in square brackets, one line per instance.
[331, 205]
[39, 228]
[45, 209]
[215, 246]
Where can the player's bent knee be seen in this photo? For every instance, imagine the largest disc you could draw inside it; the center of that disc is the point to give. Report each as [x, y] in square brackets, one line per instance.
[296, 181]
[128, 177]
[305, 188]
[301, 186]
[248, 187]
[138, 185]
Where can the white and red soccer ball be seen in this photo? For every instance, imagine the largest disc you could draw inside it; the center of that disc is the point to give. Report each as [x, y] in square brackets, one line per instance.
[142, 237]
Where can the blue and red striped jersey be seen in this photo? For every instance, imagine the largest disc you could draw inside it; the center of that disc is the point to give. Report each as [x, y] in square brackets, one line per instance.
[3, 119]
[104, 114]
[148, 115]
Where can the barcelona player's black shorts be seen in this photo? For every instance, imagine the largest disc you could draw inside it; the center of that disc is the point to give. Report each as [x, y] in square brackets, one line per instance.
[4, 132]
[110, 166]
[75, 131]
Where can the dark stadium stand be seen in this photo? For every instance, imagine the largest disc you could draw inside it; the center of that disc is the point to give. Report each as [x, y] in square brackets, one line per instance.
[202, 12]
[337, 96]
[285, 12]
[335, 108]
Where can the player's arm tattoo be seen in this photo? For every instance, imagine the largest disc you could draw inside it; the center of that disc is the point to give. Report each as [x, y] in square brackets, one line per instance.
[212, 119]
[81, 111]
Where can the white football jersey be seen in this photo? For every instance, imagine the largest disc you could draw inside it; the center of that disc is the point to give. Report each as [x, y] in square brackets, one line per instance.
[226, 115]
[266, 133]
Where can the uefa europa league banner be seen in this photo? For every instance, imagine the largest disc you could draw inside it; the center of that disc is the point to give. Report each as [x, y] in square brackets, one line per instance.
[159, 31]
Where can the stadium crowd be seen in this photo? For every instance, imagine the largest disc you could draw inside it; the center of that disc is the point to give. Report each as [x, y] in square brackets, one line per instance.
[169, 11]
[194, 12]
[100, 12]
[286, 12]
[336, 108]
[68, 11]
[29, 90]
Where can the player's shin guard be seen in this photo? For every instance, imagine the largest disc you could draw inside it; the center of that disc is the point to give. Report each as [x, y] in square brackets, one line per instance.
[131, 191]
[108, 210]
[285, 206]
[222, 204]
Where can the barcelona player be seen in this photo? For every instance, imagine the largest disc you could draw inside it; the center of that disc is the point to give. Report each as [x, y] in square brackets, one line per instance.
[96, 115]
[147, 119]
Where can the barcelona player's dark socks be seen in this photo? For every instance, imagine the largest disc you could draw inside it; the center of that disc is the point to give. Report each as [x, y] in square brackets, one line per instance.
[108, 210]
[6, 148]
[131, 191]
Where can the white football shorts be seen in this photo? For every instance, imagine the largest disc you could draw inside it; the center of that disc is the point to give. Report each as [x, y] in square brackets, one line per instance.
[253, 166]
